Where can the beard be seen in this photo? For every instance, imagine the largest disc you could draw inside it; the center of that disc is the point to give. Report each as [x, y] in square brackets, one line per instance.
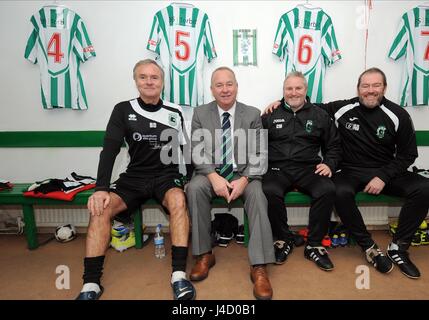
[370, 103]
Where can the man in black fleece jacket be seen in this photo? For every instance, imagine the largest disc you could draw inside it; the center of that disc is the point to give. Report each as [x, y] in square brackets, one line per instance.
[297, 132]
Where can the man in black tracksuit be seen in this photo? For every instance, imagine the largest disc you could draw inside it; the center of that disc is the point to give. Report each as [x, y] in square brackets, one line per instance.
[297, 132]
[378, 146]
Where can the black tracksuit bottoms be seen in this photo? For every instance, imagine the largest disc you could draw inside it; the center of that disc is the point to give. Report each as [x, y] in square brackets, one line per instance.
[411, 186]
[276, 183]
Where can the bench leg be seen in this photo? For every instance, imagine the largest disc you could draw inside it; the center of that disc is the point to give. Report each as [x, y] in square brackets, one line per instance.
[30, 229]
[246, 230]
[138, 228]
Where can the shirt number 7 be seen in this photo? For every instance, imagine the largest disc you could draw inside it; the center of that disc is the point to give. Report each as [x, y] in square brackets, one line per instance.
[426, 57]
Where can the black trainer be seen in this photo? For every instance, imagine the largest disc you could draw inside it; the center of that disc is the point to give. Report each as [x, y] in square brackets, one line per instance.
[224, 240]
[376, 257]
[281, 250]
[239, 238]
[183, 290]
[319, 256]
[402, 260]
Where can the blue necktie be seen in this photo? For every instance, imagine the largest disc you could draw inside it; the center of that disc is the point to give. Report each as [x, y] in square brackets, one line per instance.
[226, 169]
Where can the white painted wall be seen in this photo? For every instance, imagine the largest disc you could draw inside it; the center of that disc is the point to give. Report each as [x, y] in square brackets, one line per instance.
[119, 31]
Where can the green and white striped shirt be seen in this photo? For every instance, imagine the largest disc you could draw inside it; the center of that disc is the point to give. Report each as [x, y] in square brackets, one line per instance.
[412, 41]
[182, 37]
[305, 38]
[59, 43]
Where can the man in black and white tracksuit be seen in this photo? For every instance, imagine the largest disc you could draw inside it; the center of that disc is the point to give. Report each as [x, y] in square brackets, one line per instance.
[378, 145]
[297, 132]
[153, 132]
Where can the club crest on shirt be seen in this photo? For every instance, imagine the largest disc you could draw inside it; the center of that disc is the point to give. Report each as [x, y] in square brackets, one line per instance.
[172, 119]
[309, 126]
[177, 182]
[381, 131]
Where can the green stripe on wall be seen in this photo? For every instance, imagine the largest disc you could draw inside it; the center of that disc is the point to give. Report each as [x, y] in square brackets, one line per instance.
[42, 139]
[24, 139]
[422, 138]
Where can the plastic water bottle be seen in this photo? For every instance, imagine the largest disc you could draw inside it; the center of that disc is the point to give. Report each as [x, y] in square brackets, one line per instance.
[159, 242]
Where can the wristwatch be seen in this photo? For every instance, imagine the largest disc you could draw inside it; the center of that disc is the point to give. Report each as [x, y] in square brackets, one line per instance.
[249, 179]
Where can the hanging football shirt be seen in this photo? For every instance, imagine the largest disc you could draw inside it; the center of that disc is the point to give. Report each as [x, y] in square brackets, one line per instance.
[182, 37]
[412, 42]
[305, 38]
[59, 43]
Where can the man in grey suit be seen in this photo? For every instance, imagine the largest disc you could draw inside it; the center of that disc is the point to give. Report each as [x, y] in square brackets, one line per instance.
[229, 162]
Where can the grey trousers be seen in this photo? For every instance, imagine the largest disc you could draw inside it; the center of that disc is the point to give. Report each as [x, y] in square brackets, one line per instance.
[200, 193]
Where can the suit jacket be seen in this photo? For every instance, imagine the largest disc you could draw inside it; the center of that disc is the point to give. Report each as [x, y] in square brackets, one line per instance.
[250, 146]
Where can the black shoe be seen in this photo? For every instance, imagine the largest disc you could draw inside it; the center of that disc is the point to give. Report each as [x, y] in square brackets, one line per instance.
[183, 290]
[402, 260]
[90, 295]
[319, 256]
[376, 257]
[281, 250]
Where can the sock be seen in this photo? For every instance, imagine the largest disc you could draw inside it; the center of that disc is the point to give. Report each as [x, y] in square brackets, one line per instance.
[93, 269]
[177, 275]
[179, 256]
[393, 246]
[87, 287]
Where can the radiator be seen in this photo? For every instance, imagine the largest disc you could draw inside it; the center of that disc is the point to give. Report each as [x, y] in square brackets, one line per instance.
[78, 215]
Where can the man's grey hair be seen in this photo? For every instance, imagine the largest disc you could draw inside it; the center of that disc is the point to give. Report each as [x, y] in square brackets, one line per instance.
[146, 62]
[297, 74]
[220, 69]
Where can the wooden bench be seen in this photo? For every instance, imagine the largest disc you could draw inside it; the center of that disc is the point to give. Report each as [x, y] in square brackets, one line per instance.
[80, 139]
